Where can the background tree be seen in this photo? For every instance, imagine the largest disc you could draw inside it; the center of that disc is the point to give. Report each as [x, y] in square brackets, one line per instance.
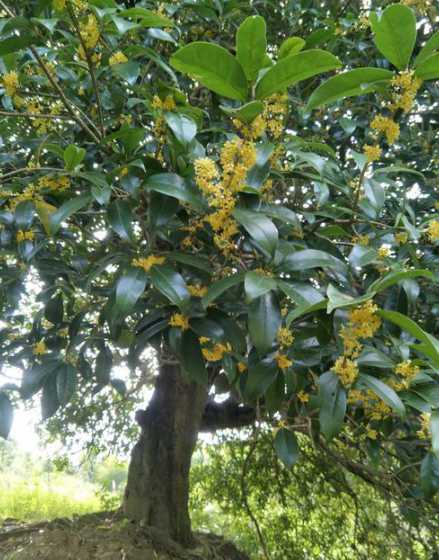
[262, 246]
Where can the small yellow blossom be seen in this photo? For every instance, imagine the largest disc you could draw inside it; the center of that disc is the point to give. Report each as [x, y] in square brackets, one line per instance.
[197, 290]
[303, 397]
[408, 371]
[424, 431]
[433, 231]
[401, 237]
[217, 352]
[117, 58]
[371, 434]
[90, 32]
[204, 340]
[405, 86]
[241, 367]
[285, 337]
[39, 348]
[384, 252]
[25, 236]
[283, 362]
[147, 262]
[363, 240]
[11, 83]
[386, 126]
[180, 321]
[346, 369]
[373, 153]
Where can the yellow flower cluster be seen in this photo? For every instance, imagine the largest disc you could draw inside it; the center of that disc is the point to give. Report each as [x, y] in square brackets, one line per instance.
[424, 430]
[406, 86]
[215, 353]
[197, 290]
[167, 104]
[159, 129]
[147, 262]
[283, 362]
[25, 236]
[285, 337]
[346, 369]
[54, 183]
[374, 408]
[117, 58]
[90, 32]
[40, 348]
[408, 371]
[384, 252]
[401, 237]
[386, 126]
[241, 367]
[10, 83]
[373, 153]
[433, 231]
[275, 111]
[236, 158]
[303, 397]
[363, 240]
[253, 130]
[180, 321]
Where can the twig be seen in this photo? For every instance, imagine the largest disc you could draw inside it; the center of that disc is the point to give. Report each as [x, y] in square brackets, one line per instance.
[29, 170]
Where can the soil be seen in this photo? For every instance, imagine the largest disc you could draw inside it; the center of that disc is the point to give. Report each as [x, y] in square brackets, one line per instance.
[103, 536]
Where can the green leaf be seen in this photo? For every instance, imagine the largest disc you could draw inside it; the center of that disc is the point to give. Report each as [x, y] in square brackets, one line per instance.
[386, 393]
[219, 287]
[428, 69]
[48, 24]
[173, 185]
[430, 346]
[66, 381]
[14, 44]
[351, 83]
[293, 69]
[171, 284]
[428, 49]
[259, 379]
[66, 210]
[246, 113]
[148, 18]
[104, 363]
[49, 398]
[337, 299]
[286, 446]
[395, 34]
[192, 360]
[54, 310]
[430, 475]
[251, 44]
[100, 190]
[33, 379]
[214, 67]
[257, 284]
[183, 127]
[311, 258]
[6, 415]
[434, 427]
[291, 46]
[128, 71]
[395, 277]
[332, 404]
[120, 219]
[24, 214]
[264, 320]
[304, 309]
[73, 157]
[129, 289]
[261, 229]
[208, 328]
[371, 357]
[123, 25]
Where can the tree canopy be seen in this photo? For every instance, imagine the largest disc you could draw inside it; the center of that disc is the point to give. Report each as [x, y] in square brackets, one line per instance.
[250, 189]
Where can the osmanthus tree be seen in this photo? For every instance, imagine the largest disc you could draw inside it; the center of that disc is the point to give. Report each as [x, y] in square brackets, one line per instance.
[197, 198]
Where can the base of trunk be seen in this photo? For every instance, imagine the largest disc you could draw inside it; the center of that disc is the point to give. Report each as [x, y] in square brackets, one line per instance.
[157, 490]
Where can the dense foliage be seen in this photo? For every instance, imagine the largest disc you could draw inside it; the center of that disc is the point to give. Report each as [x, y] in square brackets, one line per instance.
[173, 177]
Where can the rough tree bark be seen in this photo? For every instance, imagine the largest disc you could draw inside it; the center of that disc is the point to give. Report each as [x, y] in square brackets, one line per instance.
[157, 490]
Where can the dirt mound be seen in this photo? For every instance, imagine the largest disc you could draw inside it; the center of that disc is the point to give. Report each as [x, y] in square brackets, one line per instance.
[103, 536]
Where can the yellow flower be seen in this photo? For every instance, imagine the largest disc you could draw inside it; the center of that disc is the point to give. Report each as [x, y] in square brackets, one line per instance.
[39, 348]
[405, 85]
[25, 236]
[241, 367]
[204, 340]
[401, 237]
[346, 369]
[433, 230]
[384, 252]
[371, 434]
[283, 362]
[424, 431]
[373, 153]
[285, 337]
[303, 397]
[180, 321]
[205, 173]
[363, 319]
[147, 262]
[217, 352]
[197, 290]
[117, 58]
[408, 370]
[90, 32]
[11, 83]
[387, 126]
[58, 5]
[363, 240]
[168, 104]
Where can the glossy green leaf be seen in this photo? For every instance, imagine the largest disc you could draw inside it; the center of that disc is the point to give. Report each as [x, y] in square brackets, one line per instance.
[382, 390]
[66, 210]
[428, 69]
[261, 228]
[120, 218]
[393, 278]
[257, 284]
[54, 310]
[291, 46]
[66, 381]
[171, 284]
[371, 357]
[337, 299]
[104, 363]
[49, 398]
[6, 415]
[183, 127]
[246, 113]
[395, 34]
[286, 446]
[430, 475]
[148, 18]
[214, 67]
[129, 289]
[173, 185]
[293, 69]
[351, 83]
[312, 258]
[430, 47]
[192, 360]
[73, 156]
[259, 379]
[434, 427]
[332, 397]
[221, 286]
[128, 71]
[264, 320]
[251, 44]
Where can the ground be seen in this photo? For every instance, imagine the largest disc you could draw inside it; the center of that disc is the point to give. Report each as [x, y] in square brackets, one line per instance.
[107, 536]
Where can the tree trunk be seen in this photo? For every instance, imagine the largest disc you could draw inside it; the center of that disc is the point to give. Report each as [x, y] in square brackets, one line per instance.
[157, 490]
